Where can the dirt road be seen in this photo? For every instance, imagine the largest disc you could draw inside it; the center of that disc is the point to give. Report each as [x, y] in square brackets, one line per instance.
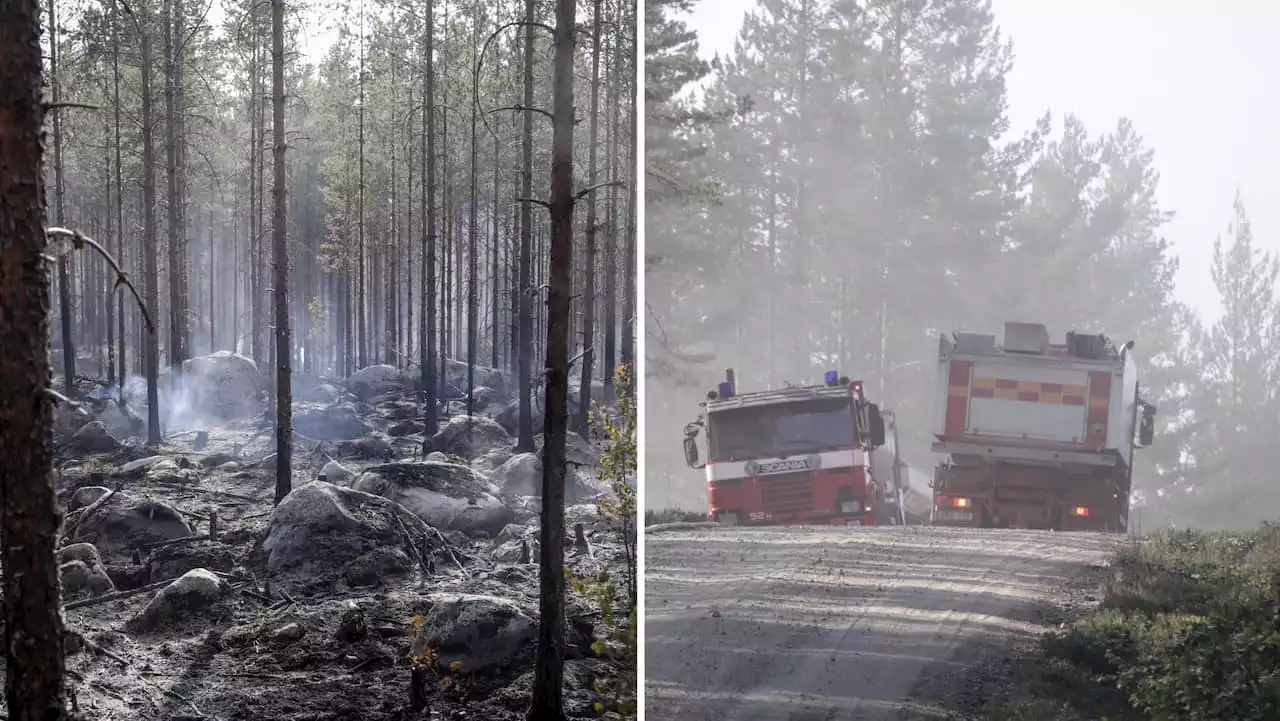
[818, 624]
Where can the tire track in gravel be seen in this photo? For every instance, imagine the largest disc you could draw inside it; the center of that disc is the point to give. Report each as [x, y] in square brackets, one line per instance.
[820, 624]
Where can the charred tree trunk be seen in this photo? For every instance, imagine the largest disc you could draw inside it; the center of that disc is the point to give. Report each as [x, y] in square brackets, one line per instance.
[255, 143]
[284, 390]
[29, 517]
[64, 270]
[589, 285]
[150, 271]
[427, 321]
[548, 686]
[171, 179]
[617, 65]
[473, 298]
[524, 363]
[495, 288]
[116, 354]
[361, 328]
[628, 355]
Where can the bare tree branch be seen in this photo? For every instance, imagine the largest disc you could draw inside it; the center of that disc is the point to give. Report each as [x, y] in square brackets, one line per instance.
[543, 203]
[79, 241]
[591, 189]
[59, 106]
[520, 109]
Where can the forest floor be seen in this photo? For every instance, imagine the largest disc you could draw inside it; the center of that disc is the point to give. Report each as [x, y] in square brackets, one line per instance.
[313, 609]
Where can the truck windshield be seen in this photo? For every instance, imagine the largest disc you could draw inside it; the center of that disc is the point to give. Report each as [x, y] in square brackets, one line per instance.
[785, 429]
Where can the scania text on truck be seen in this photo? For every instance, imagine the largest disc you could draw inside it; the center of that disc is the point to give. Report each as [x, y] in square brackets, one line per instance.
[794, 455]
[1037, 435]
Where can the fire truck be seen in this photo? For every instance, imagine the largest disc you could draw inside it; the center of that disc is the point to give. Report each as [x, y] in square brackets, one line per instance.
[795, 455]
[1036, 434]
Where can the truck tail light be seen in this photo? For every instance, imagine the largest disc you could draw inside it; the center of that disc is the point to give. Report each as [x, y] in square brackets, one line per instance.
[1082, 511]
[960, 502]
[950, 502]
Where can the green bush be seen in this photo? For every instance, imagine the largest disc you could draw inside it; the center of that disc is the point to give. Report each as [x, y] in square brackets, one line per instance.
[616, 640]
[1189, 627]
[673, 515]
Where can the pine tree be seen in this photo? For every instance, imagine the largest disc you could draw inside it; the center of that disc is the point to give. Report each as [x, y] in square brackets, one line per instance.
[1236, 406]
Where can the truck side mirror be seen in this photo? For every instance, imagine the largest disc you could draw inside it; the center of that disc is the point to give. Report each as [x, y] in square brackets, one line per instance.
[691, 452]
[877, 425]
[1147, 424]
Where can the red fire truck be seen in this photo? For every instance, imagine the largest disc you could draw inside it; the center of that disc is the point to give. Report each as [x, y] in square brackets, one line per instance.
[1035, 434]
[795, 455]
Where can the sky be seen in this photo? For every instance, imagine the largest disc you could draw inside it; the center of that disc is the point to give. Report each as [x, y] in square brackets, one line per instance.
[1193, 78]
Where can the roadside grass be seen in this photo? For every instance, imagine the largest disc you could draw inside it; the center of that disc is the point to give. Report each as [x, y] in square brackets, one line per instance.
[673, 515]
[1188, 628]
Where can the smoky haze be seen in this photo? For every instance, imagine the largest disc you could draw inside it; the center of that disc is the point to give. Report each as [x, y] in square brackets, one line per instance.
[845, 185]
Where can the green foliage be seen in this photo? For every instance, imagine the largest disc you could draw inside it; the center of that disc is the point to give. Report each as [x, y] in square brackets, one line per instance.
[617, 632]
[672, 515]
[452, 679]
[1189, 627]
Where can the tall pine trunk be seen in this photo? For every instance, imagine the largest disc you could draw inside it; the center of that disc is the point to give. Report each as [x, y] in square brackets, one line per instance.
[589, 285]
[427, 322]
[284, 390]
[29, 518]
[151, 270]
[524, 364]
[115, 91]
[548, 686]
[629, 254]
[64, 271]
[473, 299]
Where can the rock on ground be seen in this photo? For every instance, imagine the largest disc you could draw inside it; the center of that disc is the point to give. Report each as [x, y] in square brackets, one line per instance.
[577, 449]
[126, 522]
[456, 374]
[93, 437]
[475, 631]
[335, 423]
[444, 495]
[377, 379]
[195, 595]
[223, 384]
[490, 462]
[82, 572]
[521, 475]
[121, 422]
[322, 536]
[335, 473]
[323, 393]
[468, 437]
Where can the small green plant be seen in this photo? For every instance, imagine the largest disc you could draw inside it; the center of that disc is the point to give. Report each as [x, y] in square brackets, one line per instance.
[423, 659]
[616, 642]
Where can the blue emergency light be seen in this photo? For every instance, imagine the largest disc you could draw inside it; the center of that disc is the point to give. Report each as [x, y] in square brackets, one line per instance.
[726, 389]
[832, 377]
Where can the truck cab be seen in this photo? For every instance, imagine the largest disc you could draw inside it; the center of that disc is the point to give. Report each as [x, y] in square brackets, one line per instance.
[796, 455]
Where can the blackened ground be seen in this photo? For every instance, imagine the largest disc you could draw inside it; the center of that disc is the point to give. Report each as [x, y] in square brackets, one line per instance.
[263, 653]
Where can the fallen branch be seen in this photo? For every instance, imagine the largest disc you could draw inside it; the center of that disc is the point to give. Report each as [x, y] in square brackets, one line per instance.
[117, 595]
[264, 459]
[100, 650]
[427, 570]
[174, 542]
[80, 240]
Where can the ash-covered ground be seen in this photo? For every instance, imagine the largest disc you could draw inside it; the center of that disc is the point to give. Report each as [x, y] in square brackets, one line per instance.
[189, 596]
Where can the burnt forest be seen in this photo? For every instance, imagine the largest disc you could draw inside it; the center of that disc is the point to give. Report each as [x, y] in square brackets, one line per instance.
[316, 391]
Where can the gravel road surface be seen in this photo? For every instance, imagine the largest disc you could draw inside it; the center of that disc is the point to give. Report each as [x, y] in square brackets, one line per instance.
[819, 624]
